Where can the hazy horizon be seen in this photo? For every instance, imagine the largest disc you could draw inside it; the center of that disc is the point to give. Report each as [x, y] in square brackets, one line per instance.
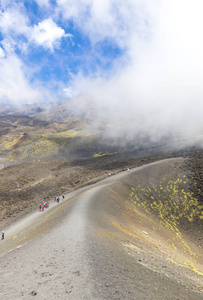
[138, 64]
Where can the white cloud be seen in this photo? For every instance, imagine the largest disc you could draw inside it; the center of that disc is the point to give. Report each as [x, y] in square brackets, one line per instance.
[2, 53]
[14, 20]
[154, 88]
[43, 3]
[47, 34]
[15, 85]
[6, 3]
[17, 81]
[14, 23]
[158, 90]
[117, 20]
[70, 92]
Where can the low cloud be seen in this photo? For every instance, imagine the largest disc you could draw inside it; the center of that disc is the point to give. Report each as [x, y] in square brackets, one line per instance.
[156, 87]
[15, 85]
[153, 88]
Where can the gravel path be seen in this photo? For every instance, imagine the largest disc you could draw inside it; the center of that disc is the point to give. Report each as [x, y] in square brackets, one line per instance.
[74, 251]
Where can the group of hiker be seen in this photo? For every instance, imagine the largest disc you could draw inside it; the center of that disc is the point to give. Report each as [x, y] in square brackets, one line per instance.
[43, 206]
[46, 204]
[57, 199]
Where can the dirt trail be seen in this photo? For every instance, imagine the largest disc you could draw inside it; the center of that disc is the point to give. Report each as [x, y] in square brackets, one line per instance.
[94, 246]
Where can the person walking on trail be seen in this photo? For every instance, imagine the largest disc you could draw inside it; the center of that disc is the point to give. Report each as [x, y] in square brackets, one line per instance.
[63, 197]
[2, 235]
[40, 208]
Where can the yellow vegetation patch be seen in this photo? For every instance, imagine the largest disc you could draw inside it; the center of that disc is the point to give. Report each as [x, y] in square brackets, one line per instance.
[170, 202]
[40, 149]
[100, 154]
[188, 266]
[38, 145]
[10, 145]
[72, 133]
[191, 267]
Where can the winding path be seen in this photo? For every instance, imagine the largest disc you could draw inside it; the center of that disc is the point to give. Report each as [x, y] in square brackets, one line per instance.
[72, 251]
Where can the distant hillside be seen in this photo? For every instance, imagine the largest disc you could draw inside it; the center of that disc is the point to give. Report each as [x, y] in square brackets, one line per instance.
[27, 138]
[57, 131]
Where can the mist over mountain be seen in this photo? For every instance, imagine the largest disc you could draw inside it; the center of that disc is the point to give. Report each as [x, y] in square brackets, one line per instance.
[7, 108]
[120, 127]
[130, 71]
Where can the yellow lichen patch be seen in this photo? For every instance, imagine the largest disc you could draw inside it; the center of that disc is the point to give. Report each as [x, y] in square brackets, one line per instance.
[100, 154]
[173, 262]
[169, 203]
[191, 267]
[73, 133]
[186, 265]
[10, 145]
[39, 149]
[38, 144]
[173, 246]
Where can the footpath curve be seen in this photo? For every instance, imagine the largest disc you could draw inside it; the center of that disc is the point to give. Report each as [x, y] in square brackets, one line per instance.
[76, 250]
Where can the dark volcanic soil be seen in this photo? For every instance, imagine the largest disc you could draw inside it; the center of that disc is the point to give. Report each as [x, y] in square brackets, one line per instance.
[96, 245]
[23, 187]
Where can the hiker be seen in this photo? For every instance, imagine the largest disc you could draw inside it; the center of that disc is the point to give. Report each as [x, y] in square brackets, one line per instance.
[63, 196]
[58, 199]
[2, 235]
[55, 199]
[40, 208]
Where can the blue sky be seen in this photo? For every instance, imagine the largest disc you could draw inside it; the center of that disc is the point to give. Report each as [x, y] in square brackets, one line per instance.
[133, 60]
[44, 44]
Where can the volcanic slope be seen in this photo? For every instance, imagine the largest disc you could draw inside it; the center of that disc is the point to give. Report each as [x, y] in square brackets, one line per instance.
[98, 244]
